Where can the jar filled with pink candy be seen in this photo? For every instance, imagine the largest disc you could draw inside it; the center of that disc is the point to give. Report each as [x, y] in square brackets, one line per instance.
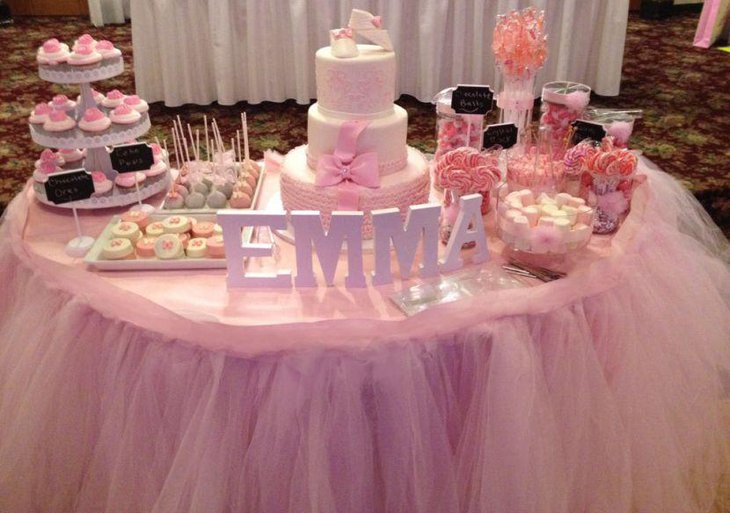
[562, 104]
[536, 169]
[611, 172]
[455, 130]
[466, 171]
[618, 123]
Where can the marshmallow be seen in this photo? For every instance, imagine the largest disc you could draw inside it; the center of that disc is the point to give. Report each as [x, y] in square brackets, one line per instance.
[549, 209]
[562, 198]
[543, 199]
[526, 197]
[571, 212]
[532, 213]
[522, 226]
[546, 221]
[512, 213]
[562, 224]
[576, 202]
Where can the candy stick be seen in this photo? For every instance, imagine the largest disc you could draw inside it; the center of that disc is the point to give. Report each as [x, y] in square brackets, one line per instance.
[233, 148]
[192, 142]
[207, 141]
[183, 141]
[244, 120]
[238, 145]
[167, 158]
[175, 146]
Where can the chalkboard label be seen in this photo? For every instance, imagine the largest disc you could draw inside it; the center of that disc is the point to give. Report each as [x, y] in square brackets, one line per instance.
[128, 158]
[504, 135]
[68, 186]
[472, 99]
[587, 130]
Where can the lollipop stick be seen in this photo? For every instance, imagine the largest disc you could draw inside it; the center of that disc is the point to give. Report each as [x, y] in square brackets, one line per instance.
[136, 186]
[244, 119]
[207, 141]
[76, 221]
[238, 145]
[176, 148]
[197, 143]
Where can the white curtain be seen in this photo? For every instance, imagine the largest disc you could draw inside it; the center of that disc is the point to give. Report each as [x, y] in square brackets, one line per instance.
[199, 51]
[103, 12]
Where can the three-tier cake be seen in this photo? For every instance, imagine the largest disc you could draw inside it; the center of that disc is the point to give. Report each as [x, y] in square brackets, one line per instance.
[356, 157]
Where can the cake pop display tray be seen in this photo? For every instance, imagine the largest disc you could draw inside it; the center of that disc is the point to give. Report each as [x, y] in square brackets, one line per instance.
[95, 260]
[209, 210]
[77, 138]
[120, 196]
[68, 74]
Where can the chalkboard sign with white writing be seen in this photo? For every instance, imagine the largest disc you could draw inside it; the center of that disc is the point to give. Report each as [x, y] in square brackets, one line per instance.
[504, 135]
[587, 130]
[68, 186]
[472, 99]
[128, 158]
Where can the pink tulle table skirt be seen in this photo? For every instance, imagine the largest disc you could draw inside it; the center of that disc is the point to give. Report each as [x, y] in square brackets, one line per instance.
[606, 391]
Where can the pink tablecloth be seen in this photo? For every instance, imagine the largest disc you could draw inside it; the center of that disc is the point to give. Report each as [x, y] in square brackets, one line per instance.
[164, 392]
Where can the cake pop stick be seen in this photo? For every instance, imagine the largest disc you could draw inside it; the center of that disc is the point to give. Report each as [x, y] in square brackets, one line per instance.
[244, 120]
[176, 148]
[238, 145]
[192, 143]
[207, 141]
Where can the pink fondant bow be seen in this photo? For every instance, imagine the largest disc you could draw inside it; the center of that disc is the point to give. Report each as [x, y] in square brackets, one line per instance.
[346, 170]
[343, 33]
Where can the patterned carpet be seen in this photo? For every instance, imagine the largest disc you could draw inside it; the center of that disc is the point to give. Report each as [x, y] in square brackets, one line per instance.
[681, 89]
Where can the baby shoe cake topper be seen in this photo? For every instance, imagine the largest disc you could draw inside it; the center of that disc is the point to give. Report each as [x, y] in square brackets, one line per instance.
[342, 43]
[370, 27]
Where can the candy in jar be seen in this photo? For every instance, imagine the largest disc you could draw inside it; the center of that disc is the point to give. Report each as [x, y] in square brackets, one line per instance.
[455, 130]
[562, 103]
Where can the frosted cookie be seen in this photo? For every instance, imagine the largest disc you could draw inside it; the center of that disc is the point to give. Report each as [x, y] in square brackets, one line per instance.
[124, 230]
[61, 102]
[113, 99]
[107, 49]
[128, 180]
[40, 113]
[140, 218]
[197, 248]
[137, 103]
[155, 229]
[168, 247]
[117, 249]
[203, 229]
[94, 120]
[124, 115]
[58, 121]
[84, 55]
[215, 246]
[146, 247]
[52, 52]
[102, 185]
[176, 224]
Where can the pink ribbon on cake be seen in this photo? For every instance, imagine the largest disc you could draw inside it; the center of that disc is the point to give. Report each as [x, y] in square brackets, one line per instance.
[347, 170]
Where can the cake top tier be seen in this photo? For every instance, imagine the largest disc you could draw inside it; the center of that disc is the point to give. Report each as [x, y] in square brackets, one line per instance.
[362, 86]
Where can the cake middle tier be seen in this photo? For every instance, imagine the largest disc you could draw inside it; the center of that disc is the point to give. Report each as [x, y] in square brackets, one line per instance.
[384, 135]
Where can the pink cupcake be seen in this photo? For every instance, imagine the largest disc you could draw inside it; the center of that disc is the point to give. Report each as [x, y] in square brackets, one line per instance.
[107, 49]
[94, 120]
[58, 121]
[48, 155]
[40, 175]
[102, 185]
[137, 103]
[52, 52]
[113, 99]
[84, 40]
[39, 114]
[61, 102]
[84, 55]
[125, 115]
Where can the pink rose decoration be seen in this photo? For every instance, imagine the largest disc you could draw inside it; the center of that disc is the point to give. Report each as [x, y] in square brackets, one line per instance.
[60, 100]
[48, 167]
[104, 45]
[132, 99]
[57, 115]
[41, 108]
[122, 110]
[84, 50]
[115, 94]
[52, 46]
[93, 114]
[86, 39]
[48, 156]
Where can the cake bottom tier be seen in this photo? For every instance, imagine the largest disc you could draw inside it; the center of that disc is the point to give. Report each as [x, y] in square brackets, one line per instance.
[409, 186]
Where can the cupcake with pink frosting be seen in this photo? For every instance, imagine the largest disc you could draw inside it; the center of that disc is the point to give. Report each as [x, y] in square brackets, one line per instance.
[39, 115]
[61, 102]
[94, 120]
[107, 49]
[84, 40]
[127, 180]
[137, 103]
[84, 55]
[40, 175]
[125, 115]
[72, 156]
[157, 169]
[58, 121]
[48, 155]
[102, 185]
[52, 52]
[113, 99]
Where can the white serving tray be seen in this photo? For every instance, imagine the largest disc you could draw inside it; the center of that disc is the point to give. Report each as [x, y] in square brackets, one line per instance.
[68, 74]
[94, 260]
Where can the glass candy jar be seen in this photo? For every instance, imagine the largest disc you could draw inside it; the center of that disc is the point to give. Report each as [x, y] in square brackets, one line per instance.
[562, 104]
[455, 130]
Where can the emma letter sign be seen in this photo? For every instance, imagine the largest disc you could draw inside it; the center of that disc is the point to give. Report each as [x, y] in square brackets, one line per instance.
[420, 227]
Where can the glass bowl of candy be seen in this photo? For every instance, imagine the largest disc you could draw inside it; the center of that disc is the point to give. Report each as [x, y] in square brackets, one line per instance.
[562, 104]
[545, 224]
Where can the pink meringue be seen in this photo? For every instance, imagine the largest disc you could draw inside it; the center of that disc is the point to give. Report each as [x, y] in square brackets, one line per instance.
[84, 55]
[125, 115]
[113, 99]
[52, 52]
[39, 114]
[58, 121]
[137, 103]
[94, 120]
[107, 49]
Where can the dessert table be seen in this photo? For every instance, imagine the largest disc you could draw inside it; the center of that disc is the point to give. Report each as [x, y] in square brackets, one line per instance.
[233, 50]
[164, 391]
